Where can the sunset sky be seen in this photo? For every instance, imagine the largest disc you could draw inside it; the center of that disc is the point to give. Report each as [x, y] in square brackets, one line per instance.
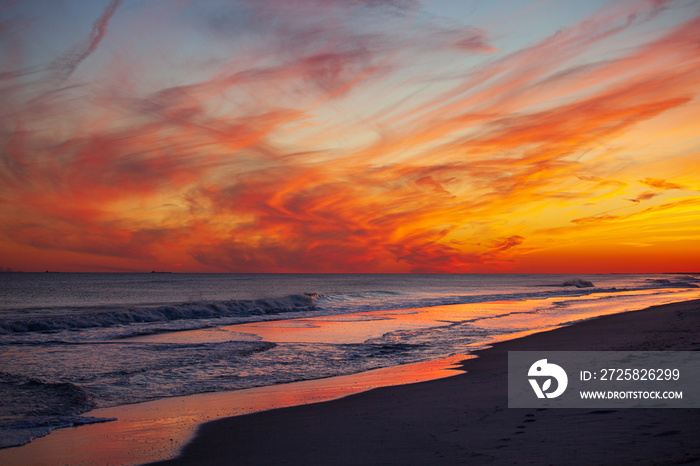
[350, 136]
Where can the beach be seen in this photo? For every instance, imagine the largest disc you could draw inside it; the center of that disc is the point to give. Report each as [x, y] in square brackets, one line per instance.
[466, 420]
[146, 391]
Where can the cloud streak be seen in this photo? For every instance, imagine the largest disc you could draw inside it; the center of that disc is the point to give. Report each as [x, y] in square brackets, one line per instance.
[68, 63]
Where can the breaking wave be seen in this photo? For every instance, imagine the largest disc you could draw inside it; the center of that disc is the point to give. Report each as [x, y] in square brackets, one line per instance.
[90, 317]
[578, 283]
[42, 407]
[684, 282]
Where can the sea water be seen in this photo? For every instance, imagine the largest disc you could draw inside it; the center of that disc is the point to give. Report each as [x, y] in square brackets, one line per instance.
[73, 342]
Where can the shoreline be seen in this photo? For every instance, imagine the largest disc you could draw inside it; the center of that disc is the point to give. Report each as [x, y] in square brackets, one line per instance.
[152, 431]
[158, 429]
[466, 419]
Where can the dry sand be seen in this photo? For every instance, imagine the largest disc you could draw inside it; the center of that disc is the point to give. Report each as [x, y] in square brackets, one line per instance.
[466, 419]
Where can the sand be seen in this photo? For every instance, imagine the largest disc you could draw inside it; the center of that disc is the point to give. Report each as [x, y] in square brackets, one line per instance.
[466, 419]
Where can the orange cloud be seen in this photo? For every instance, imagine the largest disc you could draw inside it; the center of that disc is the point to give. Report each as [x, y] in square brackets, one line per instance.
[352, 136]
[661, 184]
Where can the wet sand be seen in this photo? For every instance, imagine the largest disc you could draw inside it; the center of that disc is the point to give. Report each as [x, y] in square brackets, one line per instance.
[466, 419]
[157, 430]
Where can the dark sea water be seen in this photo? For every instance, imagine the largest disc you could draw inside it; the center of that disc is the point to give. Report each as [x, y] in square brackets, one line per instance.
[73, 342]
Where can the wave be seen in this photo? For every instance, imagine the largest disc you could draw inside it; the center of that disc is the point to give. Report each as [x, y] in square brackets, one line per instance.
[33, 407]
[352, 296]
[649, 283]
[47, 398]
[575, 282]
[24, 432]
[91, 318]
[578, 283]
[191, 315]
[679, 282]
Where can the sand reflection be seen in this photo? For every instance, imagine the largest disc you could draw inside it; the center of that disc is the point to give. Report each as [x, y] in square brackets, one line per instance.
[158, 429]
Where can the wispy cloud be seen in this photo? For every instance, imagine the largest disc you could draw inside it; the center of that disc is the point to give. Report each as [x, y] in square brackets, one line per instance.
[66, 64]
[339, 136]
[660, 184]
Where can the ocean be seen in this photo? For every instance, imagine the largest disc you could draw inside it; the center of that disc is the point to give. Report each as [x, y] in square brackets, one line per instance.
[73, 342]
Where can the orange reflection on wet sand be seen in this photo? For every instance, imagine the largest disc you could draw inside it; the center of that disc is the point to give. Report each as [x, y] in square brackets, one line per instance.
[501, 317]
[339, 329]
[158, 429]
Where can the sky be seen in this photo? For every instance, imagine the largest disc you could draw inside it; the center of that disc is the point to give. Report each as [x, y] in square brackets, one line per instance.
[369, 136]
